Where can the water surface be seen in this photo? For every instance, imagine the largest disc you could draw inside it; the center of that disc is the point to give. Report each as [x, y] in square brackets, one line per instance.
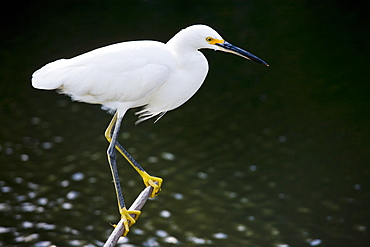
[259, 156]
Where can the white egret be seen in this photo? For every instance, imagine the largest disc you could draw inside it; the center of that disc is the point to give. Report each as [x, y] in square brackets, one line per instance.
[156, 76]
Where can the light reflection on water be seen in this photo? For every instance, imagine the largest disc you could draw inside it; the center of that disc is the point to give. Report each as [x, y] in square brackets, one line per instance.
[245, 197]
[257, 158]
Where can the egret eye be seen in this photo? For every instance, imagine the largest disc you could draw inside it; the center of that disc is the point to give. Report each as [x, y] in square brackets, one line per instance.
[209, 39]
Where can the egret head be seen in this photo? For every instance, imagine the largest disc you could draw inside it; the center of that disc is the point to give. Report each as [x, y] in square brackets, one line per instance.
[204, 37]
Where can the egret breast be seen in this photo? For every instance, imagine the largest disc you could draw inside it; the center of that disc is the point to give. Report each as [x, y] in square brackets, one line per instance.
[182, 84]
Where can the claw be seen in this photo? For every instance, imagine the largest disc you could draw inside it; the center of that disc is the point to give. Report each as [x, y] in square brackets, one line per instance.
[155, 182]
[129, 218]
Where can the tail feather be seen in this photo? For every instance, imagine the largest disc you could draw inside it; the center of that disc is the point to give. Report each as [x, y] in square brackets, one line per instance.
[49, 76]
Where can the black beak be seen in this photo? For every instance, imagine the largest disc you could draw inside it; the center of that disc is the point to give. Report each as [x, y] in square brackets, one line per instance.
[227, 47]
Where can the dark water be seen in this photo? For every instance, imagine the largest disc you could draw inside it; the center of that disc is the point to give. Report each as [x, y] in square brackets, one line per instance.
[259, 156]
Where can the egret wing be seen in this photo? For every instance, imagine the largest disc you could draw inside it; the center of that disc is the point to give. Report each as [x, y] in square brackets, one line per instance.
[122, 72]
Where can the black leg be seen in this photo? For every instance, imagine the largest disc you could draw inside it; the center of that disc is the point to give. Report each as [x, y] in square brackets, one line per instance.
[111, 134]
[111, 152]
[129, 217]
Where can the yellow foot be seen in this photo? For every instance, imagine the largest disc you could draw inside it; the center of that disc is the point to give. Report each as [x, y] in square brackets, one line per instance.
[129, 218]
[155, 182]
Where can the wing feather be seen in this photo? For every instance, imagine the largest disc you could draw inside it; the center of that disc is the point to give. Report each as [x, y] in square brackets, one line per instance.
[122, 72]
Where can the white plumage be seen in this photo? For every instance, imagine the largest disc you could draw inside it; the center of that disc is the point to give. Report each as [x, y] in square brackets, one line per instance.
[132, 74]
[158, 76]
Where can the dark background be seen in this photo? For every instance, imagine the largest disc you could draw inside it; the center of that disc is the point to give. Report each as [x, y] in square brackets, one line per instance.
[260, 156]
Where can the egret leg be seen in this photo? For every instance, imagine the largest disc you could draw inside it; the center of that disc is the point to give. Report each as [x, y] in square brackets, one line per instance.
[155, 182]
[129, 217]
